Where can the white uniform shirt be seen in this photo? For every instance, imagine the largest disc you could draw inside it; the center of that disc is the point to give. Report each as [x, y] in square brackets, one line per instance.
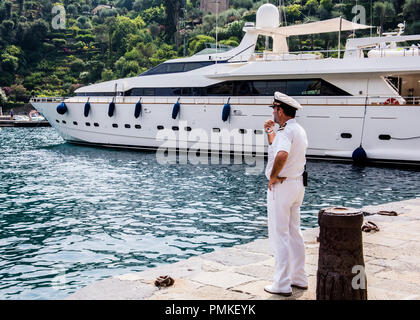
[294, 141]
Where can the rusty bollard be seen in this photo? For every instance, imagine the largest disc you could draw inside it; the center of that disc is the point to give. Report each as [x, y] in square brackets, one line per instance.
[341, 267]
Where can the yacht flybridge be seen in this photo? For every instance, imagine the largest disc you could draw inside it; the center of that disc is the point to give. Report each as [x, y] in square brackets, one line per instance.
[366, 97]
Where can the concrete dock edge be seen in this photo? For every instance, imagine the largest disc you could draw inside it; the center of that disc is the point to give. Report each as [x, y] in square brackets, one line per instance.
[392, 261]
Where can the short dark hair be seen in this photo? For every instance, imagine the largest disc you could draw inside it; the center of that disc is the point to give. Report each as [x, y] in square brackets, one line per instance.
[288, 110]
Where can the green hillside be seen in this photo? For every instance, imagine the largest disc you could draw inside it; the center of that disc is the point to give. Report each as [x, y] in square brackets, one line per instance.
[104, 40]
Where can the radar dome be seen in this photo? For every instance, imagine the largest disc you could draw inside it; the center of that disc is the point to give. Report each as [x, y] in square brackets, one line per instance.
[268, 16]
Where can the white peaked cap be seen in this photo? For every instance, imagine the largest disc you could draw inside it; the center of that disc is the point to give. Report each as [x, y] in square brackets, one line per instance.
[281, 97]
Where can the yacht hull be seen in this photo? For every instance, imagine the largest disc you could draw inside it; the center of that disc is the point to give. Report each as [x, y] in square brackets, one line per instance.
[387, 133]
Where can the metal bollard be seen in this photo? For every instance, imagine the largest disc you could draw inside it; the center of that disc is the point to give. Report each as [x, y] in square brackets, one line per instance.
[341, 267]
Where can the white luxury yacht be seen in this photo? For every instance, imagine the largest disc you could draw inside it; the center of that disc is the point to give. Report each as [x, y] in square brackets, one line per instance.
[363, 103]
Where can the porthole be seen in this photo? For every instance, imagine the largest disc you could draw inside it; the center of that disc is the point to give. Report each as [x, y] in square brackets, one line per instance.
[160, 127]
[258, 131]
[384, 137]
[175, 128]
[57, 121]
[114, 125]
[242, 131]
[96, 124]
[87, 124]
[346, 135]
[127, 126]
[216, 129]
[64, 121]
[137, 126]
[187, 129]
[75, 123]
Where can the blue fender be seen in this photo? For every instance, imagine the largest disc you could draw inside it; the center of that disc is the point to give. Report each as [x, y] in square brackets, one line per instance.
[226, 112]
[137, 110]
[62, 108]
[359, 156]
[87, 109]
[111, 109]
[176, 109]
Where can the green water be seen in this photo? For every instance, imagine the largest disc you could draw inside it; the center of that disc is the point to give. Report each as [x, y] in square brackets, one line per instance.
[72, 215]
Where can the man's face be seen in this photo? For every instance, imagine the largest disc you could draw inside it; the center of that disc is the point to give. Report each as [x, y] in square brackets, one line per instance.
[277, 111]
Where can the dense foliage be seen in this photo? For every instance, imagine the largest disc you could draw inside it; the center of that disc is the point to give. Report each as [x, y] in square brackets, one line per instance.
[104, 40]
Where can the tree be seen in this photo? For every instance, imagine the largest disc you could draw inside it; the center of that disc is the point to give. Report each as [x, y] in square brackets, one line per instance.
[411, 10]
[384, 12]
[3, 98]
[154, 14]
[123, 29]
[83, 23]
[311, 6]
[77, 65]
[34, 34]
[107, 75]
[7, 31]
[72, 10]
[128, 4]
[242, 4]
[173, 12]
[18, 93]
[9, 63]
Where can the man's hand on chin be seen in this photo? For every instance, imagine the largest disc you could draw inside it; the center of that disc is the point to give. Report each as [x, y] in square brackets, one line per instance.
[274, 180]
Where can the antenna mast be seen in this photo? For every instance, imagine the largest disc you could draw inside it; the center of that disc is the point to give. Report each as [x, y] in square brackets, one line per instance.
[217, 20]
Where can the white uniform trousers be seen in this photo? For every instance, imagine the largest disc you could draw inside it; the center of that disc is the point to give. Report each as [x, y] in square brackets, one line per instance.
[283, 204]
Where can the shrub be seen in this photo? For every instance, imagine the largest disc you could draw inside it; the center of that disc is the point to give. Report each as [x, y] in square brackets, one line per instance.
[77, 65]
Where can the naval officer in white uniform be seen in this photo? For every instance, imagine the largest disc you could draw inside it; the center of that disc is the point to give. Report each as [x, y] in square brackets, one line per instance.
[285, 167]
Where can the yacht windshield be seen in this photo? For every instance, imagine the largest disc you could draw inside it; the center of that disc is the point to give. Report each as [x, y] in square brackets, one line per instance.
[176, 67]
[211, 49]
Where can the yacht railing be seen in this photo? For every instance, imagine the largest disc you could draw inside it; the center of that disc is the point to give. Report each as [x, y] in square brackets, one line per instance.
[379, 100]
[406, 51]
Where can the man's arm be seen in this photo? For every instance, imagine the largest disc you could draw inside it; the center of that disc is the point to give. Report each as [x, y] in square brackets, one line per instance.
[269, 128]
[279, 163]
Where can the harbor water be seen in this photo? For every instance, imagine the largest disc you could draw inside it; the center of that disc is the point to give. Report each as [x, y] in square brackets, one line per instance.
[71, 215]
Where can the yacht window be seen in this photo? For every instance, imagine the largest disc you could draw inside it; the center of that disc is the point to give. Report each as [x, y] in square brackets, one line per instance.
[220, 89]
[313, 88]
[296, 87]
[259, 88]
[196, 65]
[168, 91]
[273, 86]
[163, 68]
[186, 92]
[293, 87]
[177, 67]
[149, 91]
[242, 88]
[328, 89]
